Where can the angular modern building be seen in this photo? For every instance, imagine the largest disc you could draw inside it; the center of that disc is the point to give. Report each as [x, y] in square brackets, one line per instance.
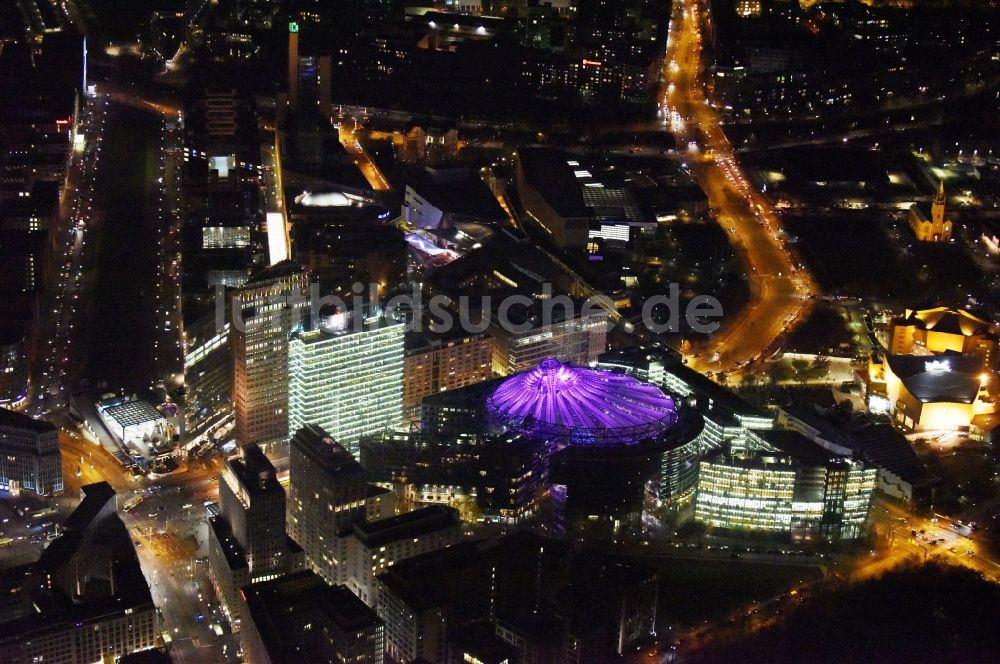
[247, 541]
[941, 330]
[265, 310]
[348, 379]
[946, 393]
[86, 599]
[784, 485]
[29, 455]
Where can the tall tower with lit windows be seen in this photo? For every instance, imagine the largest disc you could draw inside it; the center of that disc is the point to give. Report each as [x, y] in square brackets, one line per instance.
[265, 311]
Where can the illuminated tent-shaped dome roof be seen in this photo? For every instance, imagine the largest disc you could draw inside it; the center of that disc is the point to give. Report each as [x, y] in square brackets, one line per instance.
[581, 405]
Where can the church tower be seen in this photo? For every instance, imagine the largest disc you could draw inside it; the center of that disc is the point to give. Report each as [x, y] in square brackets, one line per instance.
[937, 207]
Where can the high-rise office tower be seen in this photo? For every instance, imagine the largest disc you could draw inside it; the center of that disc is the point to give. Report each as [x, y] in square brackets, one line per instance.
[349, 381]
[253, 502]
[326, 493]
[247, 541]
[265, 311]
[29, 454]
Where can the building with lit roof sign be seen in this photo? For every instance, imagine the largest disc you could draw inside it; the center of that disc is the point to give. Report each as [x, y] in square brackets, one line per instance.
[784, 485]
[348, 382]
[935, 393]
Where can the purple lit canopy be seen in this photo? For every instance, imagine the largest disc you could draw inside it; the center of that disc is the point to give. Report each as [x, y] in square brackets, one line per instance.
[581, 405]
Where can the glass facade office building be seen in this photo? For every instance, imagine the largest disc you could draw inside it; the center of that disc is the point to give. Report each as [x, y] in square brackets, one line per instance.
[349, 382]
[790, 489]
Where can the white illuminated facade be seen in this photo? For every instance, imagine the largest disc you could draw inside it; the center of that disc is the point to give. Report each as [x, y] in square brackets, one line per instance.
[348, 382]
[613, 232]
[225, 237]
[741, 496]
[792, 489]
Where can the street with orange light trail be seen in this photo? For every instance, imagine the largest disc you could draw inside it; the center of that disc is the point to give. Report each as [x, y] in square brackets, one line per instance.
[349, 139]
[780, 289]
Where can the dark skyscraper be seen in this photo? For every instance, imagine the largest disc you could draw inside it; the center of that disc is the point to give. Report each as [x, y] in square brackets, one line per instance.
[326, 494]
[247, 541]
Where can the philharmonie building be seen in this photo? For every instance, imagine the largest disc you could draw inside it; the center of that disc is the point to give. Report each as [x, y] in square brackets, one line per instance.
[602, 437]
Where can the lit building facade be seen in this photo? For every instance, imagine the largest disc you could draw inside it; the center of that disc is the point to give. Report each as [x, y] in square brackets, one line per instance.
[374, 546]
[943, 330]
[29, 455]
[782, 484]
[604, 436]
[943, 393]
[208, 371]
[348, 382]
[427, 599]
[937, 227]
[575, 339]
[85, 600]
[13, 371]
[264, 313]
[725, 417]
[435, 365]
[430, 144]
[748, 8]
